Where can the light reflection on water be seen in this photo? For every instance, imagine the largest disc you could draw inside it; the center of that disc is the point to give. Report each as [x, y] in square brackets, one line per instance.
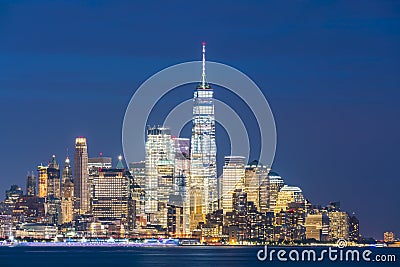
[154, 256]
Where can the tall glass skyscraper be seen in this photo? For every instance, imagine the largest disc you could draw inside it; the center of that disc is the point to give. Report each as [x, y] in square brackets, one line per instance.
[257, 185]
[81, 176]
[42, 178]
[203, 168]
[232, 179]
[159, 174]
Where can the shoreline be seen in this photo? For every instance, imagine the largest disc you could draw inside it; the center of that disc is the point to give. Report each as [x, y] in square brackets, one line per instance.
[166, 245]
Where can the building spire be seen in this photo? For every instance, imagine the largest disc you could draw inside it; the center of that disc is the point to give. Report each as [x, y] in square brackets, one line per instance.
[203, 76]
[120, 165]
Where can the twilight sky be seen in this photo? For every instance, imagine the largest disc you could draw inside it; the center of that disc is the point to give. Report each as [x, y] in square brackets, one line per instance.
[330, 71]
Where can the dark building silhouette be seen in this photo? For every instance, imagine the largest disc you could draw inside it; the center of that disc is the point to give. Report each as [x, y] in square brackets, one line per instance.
[354, 228]
[31, 184]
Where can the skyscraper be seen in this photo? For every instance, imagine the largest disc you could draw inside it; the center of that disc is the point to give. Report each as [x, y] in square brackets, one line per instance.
[110, 194]
[354, 228]
[203, 169]
[182, 165]
[31, 184]
[94, 166]
[181, 177]
[53, 199]
[137, 184]
[81, 176]
[275, 185]
[53, 179]
[257, 186]
[232, 179]
[42, 170]
[338, 225]
[67, 193]
[159, 174]
[67, 202]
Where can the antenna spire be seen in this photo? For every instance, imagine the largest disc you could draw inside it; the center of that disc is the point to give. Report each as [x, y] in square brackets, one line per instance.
[203, 76]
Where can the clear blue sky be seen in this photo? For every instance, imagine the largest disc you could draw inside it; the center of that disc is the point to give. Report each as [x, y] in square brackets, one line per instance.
[330, 70]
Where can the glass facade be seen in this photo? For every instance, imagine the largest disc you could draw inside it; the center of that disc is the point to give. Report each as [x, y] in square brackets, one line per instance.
[232, 179]
[257, 186]
[159, 174]
[81, 176]
[110, 194]
[42, 170]
[203, 169]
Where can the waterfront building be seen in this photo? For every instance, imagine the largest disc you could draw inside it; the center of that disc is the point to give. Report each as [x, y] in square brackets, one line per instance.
[257, 186]
[232, 179]
[235, 221]
[203, 184]
[5, 226]
[275, 184]
[338, 225]
[182, 164]
[53, 197]
[37, 231]
[137, 184]
[42, 178]
[289, 225]
[29, 209]
[181, 177]
[388, 237]
[317, 226]
[67, 194]
[256, 224]
[110, 194]
[175, 217]
[212, 229]
[81, 177]
[354, 228]
[159, 174]
[67, 202]
[94, 165]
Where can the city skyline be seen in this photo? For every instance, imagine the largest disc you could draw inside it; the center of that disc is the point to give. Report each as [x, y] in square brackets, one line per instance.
[177, 178]
[362, 114]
